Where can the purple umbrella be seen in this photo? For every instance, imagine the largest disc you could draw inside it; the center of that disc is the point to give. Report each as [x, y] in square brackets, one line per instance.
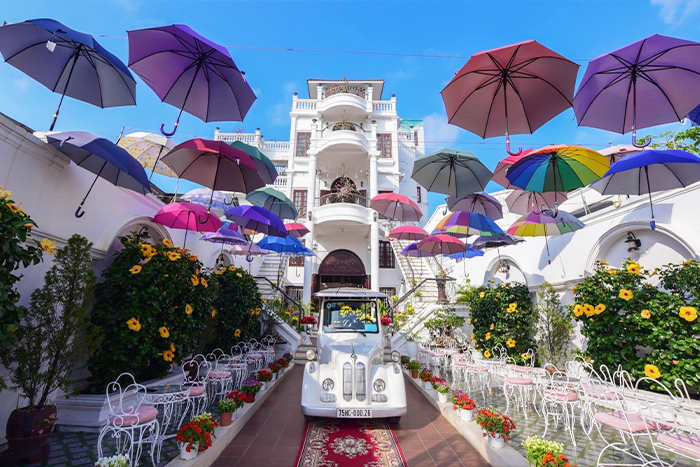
[257, 219]
[651, 82]
[477, 202]
[225, 237]
[190, 72]
[413, 251]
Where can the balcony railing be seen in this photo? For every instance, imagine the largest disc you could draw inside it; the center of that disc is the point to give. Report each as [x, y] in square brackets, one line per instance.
[305, 104]
[346, 198]
[276, 146]
[384, 106]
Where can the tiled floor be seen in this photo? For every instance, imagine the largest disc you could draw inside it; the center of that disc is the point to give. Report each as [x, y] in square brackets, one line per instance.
[274, 434]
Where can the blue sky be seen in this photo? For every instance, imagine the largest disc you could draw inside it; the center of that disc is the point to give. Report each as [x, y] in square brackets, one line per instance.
[577, 29]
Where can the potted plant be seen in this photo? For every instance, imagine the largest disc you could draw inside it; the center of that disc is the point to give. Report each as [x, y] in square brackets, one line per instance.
[52, 343]
[386, 322]
[426, 375]
[464, 404]
[414, 367]
[238, 399]
[496, 426]
[264, 376]
[288, 356]
[274, 368]
[434, 382]
[442, 389]
[250, 388]
[544, 453]
[283, 363]
[411, 345]
[405, 359]
[226, 409]
[115, 461]
[206, 424]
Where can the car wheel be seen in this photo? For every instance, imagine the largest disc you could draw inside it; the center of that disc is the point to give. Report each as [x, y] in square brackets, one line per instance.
[394, 420]
[309, 418]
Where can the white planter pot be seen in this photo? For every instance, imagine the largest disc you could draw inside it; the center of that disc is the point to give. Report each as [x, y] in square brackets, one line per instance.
[442, 397]
[496, 442]
[435, 394]
[274, 376]
[264, 386]
[412, 349]
[427, 386]
[187, 456]
[466, 415]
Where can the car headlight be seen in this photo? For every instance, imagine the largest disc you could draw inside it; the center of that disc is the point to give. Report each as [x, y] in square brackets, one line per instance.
[396, 356]
[379, 385]
[327, 384]
[311, 354]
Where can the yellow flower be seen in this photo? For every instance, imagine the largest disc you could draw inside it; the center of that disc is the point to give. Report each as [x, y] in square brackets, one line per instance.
[4, 194]
[167, 242]
[652, 371]
[232, 268]
[220, 271]
[599, 308]
[526, 356]
[48, 246]
[237, 333]
[513, 305]
[203, 281]
[195, 280]
[213, 313]
[173, 256]
[188, 309]
[172, 347]
[146, 249]
[612, 271]
[626, 294]
[646, 314]
[193, 257]
[16, 209]
[492, 326]
[239, 274]
[473, 337]
[688, 313]
[603, 262]
[136, 269]
[574, 289]
[588, 309]
[168, 356]
[487, 354]
[469, 321]
[634, 268]
[510, 343]
[482, 294]
[134, 324]
[164, 333]
[578, 310]
[487, 336]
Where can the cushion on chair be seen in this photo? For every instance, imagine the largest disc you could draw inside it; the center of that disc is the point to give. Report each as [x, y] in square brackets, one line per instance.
[566, 396]
[196, 390]
[519, 381]
[425, 351]
[479, 368]
[687, 444]
[438, 354]
[254, 356]
[630, 421]
[460, 363]
[143, 414]
[603, 395]
[457, 355]
[522, 369]
[219, 374]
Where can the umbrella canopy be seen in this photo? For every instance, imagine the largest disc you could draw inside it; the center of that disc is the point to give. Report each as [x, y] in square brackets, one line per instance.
[618, 151]
[296, 229]
[452, 233]
[454, 173]
[225, 237]
[469, 223]
[557, 168]
[495, 241]
[408, 232]
[468, 253]
[258, 219]
[499, 175]
[525, 201]
[648, 172]
[274, 201]
[265, 167]
[478, 202]
[288, 244]
[68, 62]
[694, 116]
[413, 251]
[647, 83]
[101, 157]
[248, 249]
[148, 148]
[441, 245]
[396, 206]
[204, 196]
[187, 216]
[541, 224]
[510, 90]
[190, 72]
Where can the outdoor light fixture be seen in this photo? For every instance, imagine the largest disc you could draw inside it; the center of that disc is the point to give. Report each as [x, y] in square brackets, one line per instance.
[504, 267]
[634, 243]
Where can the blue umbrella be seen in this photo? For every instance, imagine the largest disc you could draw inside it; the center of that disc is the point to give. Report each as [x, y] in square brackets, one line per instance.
[649, 172]
[257, 219]
[469, 253]
[69, 62]
[103, 158]
[202, 196]
[288, 244]
[694, 116]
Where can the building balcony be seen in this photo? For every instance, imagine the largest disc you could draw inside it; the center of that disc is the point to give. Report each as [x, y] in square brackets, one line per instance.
[353, 209]
[343, 137]
[347, 104]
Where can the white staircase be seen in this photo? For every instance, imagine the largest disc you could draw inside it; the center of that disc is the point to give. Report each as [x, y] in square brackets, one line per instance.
[270, 270]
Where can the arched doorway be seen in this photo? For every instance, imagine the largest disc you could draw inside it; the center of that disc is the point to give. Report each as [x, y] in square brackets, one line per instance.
[341, 268]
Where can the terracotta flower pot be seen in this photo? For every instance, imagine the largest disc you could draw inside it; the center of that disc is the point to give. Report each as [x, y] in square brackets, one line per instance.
[414, 374]
[225, 418]
[27, 435]
[249, 397]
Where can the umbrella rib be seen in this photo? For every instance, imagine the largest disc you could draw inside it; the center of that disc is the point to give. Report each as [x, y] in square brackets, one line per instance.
[522, 104]
[122, 76]
[613, 82]
[643, 75]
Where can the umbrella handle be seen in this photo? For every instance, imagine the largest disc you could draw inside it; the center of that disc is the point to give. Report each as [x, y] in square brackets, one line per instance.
[168, 133]
[79, 212]
[520, 150]
[249, 258]
[205, 219]
[639, 145]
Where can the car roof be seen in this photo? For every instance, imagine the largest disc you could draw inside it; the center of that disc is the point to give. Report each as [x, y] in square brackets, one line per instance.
[349, 292]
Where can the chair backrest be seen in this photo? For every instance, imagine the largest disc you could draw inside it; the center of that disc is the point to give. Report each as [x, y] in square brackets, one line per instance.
[217, 357]
[667, 406]
[124, 397]
[196, 371]
[499, 352]
[530, 359]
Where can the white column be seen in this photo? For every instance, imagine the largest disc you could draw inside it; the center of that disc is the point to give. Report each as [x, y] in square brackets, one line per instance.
[311, 190]
[309, 262]
[374, 254]
[373, 189]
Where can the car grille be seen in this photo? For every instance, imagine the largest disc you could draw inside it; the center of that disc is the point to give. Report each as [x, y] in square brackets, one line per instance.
[347, 381]
[360, 381]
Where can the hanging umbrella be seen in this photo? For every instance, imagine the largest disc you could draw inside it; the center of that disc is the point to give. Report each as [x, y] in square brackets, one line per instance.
[288, 244]
[451, 234]
[466, 222]
[396, 206]
[186, 216]
[296, 229]
[248, 249]
[496, 241]
[68, 62]
[694, 116]
[617, 152]
[558, 168]
[525, 201]
[468, 253]
[148, 148]
[647, 83]
[478, 202]
[413, 251]
[408, 232]
[454, 173]
[266, 168]
[511, 90]
[274, 201]
[258, 219]
[648, 172]
[101, 157]
[499, 175]
[215, 165]
[204, 196]
[190, 72]
[224, 236]
[441, 245]
[541, 224]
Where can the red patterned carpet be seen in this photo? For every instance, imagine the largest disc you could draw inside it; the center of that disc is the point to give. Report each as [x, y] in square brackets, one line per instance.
[350, 443]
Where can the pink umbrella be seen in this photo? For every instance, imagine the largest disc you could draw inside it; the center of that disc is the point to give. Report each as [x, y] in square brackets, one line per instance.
[499, 175]
[396, 206]
[524, 202]
[296, 229]
[441, 244]
[408, 232]
[187, 216]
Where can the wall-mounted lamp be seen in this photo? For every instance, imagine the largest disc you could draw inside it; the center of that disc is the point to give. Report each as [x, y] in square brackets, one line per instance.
[633, 243]
[362, 184]
[504, 267]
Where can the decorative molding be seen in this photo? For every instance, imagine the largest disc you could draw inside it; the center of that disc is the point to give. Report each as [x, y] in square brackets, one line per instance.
[342, 263]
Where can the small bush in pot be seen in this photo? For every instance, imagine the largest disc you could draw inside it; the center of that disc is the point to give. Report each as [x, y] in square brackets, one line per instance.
[464, 404]
[442, 389]
[544, 453]
[195, 435]
[250, 388]
[414, 367]
[115, 461]
[405, 359]
[496, 426]
[426, 375]
[226, 409]
[288, 356]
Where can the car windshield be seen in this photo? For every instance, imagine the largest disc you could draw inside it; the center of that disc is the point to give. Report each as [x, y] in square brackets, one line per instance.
[350, 316]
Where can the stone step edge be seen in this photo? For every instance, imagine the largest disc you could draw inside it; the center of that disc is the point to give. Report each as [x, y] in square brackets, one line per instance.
[470, 431]
[225, 434]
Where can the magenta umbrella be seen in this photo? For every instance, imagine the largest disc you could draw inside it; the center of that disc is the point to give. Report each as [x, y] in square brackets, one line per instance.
[186, 216]
[499, 174]
[408, 232]
[396, 206]
[296, 229]
[441, 244]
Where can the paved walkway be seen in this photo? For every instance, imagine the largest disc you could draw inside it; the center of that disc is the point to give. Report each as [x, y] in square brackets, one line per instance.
[274, 434]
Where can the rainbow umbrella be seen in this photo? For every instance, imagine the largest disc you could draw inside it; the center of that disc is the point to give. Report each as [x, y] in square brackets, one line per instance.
[466, 222]
[542, 224]
[499, 175]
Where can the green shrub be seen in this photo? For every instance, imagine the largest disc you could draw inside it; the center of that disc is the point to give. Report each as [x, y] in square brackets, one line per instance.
[444, 320]
[555, 329]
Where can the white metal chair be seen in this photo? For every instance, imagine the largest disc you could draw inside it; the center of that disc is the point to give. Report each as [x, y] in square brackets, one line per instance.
[220, 380]
[519, 387]
[196, 378]
[559, 400]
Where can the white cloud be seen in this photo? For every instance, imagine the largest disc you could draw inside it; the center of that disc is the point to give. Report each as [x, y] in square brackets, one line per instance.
[675, 12]
[22, 84]
[438, 132]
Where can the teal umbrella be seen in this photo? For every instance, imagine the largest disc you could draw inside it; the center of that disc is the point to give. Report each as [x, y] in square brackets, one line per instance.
[265, 167]
[274, 201]
[454, 173]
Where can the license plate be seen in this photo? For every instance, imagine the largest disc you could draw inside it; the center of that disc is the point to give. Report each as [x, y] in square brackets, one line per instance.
[354, 413]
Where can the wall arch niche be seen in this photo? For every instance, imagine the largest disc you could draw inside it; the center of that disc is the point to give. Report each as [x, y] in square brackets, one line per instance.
[512, 272]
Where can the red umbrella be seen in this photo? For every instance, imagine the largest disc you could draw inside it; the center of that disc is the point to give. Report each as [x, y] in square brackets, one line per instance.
[296, 229]
[441, 244]
[512, 90]
[408, 232]
[187, 216]
[499, 175]
[396, 206]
